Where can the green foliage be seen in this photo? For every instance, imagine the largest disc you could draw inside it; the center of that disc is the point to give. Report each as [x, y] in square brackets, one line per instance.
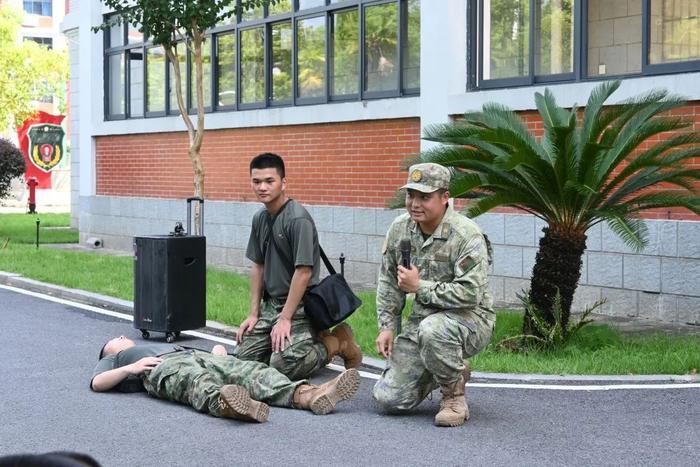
[612, 164]
[28, 71]
[549, 334]
[11, 165]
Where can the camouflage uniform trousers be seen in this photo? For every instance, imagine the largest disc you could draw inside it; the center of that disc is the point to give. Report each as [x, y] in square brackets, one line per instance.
[428, 353]
[300, 359]
[195, 378]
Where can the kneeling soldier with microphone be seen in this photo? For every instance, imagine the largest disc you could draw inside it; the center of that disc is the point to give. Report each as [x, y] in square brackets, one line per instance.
[442, 257]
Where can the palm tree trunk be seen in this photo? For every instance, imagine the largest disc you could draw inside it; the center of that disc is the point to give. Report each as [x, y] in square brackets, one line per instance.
[557, 267]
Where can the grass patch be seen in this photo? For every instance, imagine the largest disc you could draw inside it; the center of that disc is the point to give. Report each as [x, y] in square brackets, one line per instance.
[596, 349]
[21, 228]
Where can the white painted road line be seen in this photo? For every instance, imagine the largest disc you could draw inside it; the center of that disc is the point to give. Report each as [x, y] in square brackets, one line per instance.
[365, 374]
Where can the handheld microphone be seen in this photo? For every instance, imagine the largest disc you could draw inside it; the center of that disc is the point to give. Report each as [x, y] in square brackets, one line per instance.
[405, 247]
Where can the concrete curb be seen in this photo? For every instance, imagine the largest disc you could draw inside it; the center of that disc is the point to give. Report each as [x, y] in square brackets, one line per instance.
[368, 363]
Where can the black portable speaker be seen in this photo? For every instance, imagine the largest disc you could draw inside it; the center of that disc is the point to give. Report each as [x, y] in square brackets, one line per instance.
[169, 283]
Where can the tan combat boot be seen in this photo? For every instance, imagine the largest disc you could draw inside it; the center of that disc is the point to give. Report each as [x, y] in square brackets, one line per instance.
[322, 399]
[453, 406]
[235, 402]
[342, 342]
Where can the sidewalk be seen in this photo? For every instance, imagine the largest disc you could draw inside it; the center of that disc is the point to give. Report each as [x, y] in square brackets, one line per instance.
[374, 365]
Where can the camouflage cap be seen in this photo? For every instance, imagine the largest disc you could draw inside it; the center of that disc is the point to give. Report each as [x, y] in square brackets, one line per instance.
[428, 177]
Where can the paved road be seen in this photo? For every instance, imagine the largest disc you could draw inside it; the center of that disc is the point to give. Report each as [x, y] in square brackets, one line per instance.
[49, 350]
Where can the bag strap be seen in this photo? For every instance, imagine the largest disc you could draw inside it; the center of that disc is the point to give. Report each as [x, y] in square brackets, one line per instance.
[282, 253]
[328, 264]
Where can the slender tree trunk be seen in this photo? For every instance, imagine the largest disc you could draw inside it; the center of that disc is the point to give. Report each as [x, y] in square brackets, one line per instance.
[557, 267]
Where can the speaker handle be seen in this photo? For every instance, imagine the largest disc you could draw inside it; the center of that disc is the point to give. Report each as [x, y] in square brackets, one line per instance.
[201, 214]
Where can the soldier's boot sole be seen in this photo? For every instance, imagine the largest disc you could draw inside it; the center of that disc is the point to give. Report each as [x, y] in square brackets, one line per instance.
[236, 403]
[344, 387]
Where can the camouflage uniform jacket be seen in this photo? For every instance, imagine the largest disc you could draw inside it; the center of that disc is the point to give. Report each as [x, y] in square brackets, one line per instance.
[453, 264]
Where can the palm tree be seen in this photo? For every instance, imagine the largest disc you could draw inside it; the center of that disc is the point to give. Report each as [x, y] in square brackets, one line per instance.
[607, 167]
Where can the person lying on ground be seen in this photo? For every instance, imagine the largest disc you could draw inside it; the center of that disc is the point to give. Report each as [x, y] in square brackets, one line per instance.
[214, 383]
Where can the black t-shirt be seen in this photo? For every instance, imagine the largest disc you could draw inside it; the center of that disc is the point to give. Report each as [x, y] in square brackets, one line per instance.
[128, 356]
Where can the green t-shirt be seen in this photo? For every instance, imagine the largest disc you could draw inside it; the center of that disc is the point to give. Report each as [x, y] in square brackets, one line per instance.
[127, 357]
[296, 239]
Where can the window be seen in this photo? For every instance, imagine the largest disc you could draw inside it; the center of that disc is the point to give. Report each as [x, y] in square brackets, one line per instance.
[345, 56]
[291, 52]
[45, 41]
[381, 39]
[37, 7]
[311, 57]
[252, 65]
[410, 47]
[674, 31]
[226, 69]
[520, 42]
[155, 81]
[281, 63]
[116, 94]
[136, 88]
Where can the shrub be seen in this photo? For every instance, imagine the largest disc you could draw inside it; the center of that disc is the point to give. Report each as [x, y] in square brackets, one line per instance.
[11, 165]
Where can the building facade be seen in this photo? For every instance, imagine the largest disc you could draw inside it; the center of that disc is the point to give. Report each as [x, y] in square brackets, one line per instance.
[343, 89]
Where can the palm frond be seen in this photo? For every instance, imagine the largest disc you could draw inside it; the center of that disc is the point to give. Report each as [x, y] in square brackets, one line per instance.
[633, 232]
[665, 200]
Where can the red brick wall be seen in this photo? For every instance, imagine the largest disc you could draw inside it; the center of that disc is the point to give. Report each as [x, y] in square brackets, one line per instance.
[690, 111]
[348, 164]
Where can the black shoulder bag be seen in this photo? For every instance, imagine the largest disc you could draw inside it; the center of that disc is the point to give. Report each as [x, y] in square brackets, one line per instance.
[329, 302]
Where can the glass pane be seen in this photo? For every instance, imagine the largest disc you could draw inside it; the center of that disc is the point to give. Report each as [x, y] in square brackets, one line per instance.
[304, 4]
[206, 76]
[252, 65]
[251, 14]
[133, 34]
[505, 51]
[182, 62]
[226, 53]
[155, 57]
[281, 61]
[675, 31]
[381, 34]
[345, 53]
[116, 35]
[281, 7]
[311, 61]
[554, 36]
[614, 37]
[411, 47]
[116, 84]
[136, 82]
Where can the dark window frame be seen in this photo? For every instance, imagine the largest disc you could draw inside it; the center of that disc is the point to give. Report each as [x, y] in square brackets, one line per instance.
[475, 82]
[327, 10]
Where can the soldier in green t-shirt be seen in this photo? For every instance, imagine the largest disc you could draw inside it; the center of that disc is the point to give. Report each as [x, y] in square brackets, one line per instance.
[283, 247]
[214, 383]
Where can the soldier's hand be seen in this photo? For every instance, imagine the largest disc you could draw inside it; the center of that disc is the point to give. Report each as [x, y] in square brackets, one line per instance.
[246, 327]
[145, 364]
[281, 333]
[409, 279]
[385, 343]
[219, 350]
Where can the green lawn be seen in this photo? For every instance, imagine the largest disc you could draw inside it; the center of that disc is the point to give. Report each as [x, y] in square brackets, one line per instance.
[21, 228]
[597, 350]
